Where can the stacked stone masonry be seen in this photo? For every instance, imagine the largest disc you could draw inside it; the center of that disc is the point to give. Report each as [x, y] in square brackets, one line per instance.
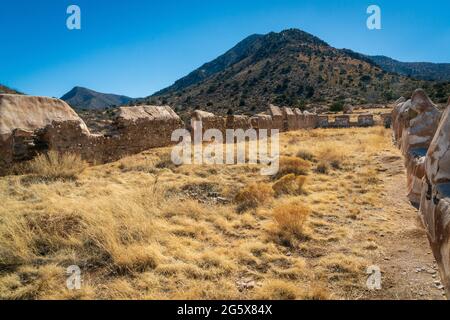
[422, 133]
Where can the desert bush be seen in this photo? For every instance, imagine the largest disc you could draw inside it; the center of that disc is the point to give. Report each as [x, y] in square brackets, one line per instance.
[290, 217]
[165, 162]
[323, 168]
[305, 155]
[54, 165]
[331, 156]
[293, 165]
[289, 184]
[337, 106]
[369, 176]
[253, 195]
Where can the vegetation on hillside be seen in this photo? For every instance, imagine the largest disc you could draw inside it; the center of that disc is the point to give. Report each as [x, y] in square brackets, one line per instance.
[4, 89]
[291, 68]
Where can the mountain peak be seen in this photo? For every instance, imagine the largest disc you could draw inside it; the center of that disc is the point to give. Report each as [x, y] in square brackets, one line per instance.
[292, 68]
[84, 98]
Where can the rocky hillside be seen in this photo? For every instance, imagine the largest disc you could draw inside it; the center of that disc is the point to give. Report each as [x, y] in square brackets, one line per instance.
[82, 98]
[419, 70]
[4, 89]
[290, 68]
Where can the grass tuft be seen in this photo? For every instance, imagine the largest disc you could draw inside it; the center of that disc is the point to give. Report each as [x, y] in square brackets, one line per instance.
[293, 165]
[291, 217]
[289, 185]
[56, 166]
[254, 195]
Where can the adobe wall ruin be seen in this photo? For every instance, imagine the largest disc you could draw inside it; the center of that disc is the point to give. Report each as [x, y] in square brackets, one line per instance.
[277, 117]
[423, 135]
[366, 120]
[31, 125]
[290, 120]
[209, 121]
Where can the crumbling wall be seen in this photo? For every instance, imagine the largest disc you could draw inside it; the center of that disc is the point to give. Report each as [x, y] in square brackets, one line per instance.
[401, 116]
[238, 122]
[416, 139]
[290, 122]
[435, 197]
[277, 117]
[299, 118]
[341, 122]
[209, 121]
[261, 121]
[21, 117]
[311, 120]
[386, 120]
[366, 120]
[425, 143]
[323, 122]
[30, 125]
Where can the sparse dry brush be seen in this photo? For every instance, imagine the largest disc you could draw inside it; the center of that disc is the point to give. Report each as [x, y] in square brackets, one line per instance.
[332, 156]
[253, 195]
[289, 185]
[306, 155]
[323, 167]
[290, 217]
[293, 165]
[53, 165]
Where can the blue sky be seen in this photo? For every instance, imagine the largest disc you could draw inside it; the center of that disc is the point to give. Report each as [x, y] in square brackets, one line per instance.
[136, 47]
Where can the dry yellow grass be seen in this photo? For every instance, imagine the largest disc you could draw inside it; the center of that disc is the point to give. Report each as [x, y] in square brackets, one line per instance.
[291, 217]
[253, 195]
[53, 165]
[143, 229]
[293, 165]
[289, 185]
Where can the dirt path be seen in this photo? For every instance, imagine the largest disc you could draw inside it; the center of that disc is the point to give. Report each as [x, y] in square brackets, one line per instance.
[407, 264]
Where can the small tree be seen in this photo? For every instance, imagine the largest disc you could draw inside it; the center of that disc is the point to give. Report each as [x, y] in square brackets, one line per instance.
[337, 106]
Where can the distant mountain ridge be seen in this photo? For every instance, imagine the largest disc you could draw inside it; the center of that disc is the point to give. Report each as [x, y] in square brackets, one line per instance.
[419, 70]
[291, 68]
[83, 98]
[5, 89]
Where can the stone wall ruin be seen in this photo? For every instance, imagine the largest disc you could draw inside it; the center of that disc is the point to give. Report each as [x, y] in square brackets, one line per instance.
[32, 125]
[423, 135]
